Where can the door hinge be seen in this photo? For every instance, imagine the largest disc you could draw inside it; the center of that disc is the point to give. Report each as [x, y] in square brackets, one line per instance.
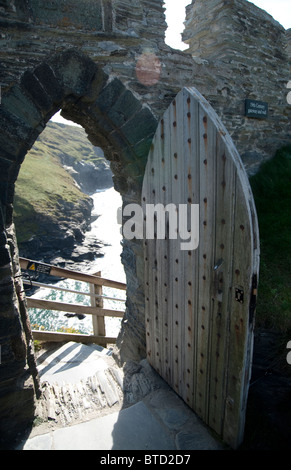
[239, 295]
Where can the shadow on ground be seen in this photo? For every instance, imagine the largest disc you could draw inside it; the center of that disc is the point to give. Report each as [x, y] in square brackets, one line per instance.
[268, 420]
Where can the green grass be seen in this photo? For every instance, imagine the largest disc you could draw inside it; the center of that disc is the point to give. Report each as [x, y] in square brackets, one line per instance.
[63, 139]
[272, 192]
[44, 187]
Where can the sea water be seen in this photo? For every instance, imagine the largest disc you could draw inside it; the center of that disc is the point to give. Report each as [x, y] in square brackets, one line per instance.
[106, 229]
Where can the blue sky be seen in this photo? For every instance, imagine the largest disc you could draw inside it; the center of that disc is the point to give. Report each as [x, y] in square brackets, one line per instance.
[279, 9]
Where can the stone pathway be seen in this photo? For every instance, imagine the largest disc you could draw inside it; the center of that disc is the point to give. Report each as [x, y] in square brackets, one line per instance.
[78, 382]
[89, 403]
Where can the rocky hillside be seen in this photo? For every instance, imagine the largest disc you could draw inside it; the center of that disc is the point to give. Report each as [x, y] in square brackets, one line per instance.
[52, 208]
[80, 158]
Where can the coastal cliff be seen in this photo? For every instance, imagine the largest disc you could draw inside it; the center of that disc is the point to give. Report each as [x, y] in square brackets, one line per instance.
[53, 206]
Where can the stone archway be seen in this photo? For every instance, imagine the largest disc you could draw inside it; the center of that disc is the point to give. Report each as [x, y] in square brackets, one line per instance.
[115, 120]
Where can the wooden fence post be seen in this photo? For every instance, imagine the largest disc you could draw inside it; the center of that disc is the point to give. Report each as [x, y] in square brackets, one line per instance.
[98, 322]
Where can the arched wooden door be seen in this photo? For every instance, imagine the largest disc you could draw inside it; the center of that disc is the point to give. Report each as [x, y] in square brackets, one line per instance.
[200, 298]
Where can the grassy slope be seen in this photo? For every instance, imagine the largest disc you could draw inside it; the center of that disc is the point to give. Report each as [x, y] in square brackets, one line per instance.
[272, 193]
[43, 186]
[72, 140]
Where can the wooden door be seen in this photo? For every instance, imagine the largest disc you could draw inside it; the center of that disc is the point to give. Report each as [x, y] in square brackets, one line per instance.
[200, 302]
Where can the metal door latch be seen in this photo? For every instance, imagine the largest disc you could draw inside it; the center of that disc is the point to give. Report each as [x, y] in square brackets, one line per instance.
[239, 295]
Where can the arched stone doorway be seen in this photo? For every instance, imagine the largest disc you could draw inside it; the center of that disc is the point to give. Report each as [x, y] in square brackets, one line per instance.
[115, 120]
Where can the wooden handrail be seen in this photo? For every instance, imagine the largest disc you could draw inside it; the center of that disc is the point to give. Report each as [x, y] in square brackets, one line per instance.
[96, 309]
[73, 308]
[69, 291]
[51, 270]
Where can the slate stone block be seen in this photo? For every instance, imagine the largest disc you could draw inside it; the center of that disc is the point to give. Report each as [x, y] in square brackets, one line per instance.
[3, 192]
[16, 137]
[18, 104]
[9, 214]
[17, 407]
[8, 171]
[142, 125]
[97, 85]
[141, 151]
[104, 124]
[10, 330]
[74, 71]
[49, 82]
[109, 95]
[121, 146]
[6, 290]
[124, 108]
[132, 170]
[13, 127]
[9, 149]
[64, 14]
[33, 87]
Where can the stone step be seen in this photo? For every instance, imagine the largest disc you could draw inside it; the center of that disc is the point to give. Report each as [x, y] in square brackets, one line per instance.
[78, 381]
[89, 403]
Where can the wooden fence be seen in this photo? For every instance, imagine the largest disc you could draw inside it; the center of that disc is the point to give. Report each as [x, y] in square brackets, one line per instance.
[96, 283]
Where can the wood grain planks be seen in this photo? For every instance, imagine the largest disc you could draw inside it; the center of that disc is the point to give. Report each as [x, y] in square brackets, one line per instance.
[199, 336]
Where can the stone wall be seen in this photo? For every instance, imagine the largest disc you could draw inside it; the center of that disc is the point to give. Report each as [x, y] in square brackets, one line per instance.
[247, 49]
[237, 51]
[288, 47]
[110, 114]
[109, 69]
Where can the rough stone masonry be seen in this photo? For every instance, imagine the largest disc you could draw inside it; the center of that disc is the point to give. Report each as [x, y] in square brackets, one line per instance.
[106, 65]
